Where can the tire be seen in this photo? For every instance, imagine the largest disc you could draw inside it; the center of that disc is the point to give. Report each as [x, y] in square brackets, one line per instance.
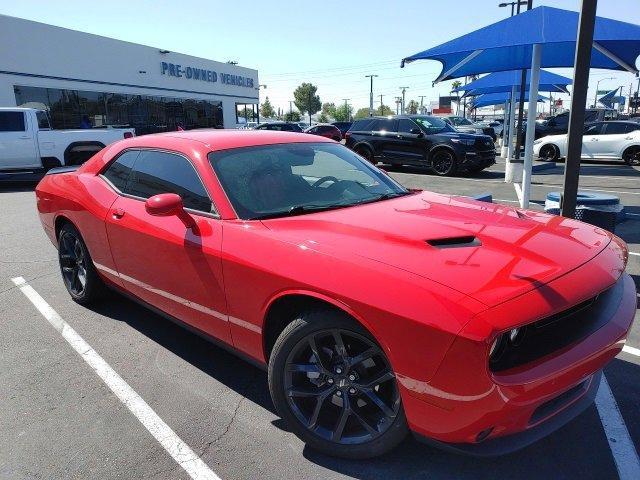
[631, 156]
[444, 163]
[549, 153]
[78, 272]
[316, 390]
[367, 154]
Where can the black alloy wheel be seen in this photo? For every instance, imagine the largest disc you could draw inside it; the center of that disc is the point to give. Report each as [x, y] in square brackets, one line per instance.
[631, 156]
[549, 153]
[335, 386]
[443, 163]
[78, 273]
[367, 154]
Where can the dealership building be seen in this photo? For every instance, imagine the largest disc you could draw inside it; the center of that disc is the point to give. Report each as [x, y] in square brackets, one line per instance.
[86, 80]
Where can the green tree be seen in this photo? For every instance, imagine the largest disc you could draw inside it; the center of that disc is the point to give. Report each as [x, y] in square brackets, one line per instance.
[343, 113]
[384, 110]
[292, 117]
[411, 108]
[456, 84]
[323, 118]
[306, 99]
[329, 109]
[266, 109]
[362, 113]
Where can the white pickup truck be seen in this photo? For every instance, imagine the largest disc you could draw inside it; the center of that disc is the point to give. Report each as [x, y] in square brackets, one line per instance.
[29, 147]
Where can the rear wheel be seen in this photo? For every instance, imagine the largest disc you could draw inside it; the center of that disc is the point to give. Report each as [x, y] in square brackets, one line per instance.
[631, 156]
[549, 153]
[334, 386]
[444, 163]
[366, 153]
[78, 273]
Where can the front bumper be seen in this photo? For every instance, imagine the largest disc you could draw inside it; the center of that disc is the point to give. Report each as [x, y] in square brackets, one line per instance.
[478, 159]
[522, 404]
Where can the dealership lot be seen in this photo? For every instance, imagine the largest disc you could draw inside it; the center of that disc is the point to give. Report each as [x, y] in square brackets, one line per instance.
[60, 420]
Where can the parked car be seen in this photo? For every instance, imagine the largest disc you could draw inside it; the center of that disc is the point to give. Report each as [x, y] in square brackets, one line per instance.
[462, 124]
[557, 124]
[279, 126]
[420, 140]
[601, 140]
[374, 309]
[323, 130]
[343, 127]
[29, 146]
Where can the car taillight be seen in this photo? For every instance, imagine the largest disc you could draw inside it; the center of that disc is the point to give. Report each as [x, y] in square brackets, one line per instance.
[128, 135]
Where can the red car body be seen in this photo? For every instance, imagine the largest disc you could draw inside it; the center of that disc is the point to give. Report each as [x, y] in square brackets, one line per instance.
[434, 311]
[327, 131]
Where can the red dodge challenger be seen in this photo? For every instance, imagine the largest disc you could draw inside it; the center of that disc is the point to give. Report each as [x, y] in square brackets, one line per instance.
[377, 310]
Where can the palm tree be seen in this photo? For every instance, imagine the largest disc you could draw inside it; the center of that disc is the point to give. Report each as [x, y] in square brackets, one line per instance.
[454, 85]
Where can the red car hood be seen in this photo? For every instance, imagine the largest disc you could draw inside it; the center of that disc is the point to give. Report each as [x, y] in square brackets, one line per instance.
[487, 251]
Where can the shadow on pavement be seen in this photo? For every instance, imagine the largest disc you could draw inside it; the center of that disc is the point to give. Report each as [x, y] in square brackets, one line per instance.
[579, 450]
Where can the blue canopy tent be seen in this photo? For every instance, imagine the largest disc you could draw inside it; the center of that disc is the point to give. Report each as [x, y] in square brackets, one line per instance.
[504, 81]
[608, 98]
[499, 98]
[541, 37]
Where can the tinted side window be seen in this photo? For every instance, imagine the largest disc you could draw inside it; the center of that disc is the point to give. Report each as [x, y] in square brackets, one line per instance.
[564, 118]
[118, 172]
[405, 125]
[361, 125]
[43, 120]
[388, 125]
[595, 129]
[12, 122]
[616, 128]
[589, 116]
[161, 172]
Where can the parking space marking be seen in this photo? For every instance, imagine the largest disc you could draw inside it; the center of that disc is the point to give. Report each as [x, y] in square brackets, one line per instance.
[631, 350]
[620, 443]
[634, 253]
[179, 450]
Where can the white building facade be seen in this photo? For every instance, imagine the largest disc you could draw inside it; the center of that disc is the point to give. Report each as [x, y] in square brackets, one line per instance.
[86, 81]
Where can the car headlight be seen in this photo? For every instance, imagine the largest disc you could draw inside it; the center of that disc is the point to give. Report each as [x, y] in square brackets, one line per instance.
[501, 343]
[464, 141]
[537, 142]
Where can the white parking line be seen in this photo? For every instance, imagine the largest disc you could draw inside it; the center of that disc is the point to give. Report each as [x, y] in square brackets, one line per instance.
[180, 451]
[634, 253]
[631, 350]
[620, 443]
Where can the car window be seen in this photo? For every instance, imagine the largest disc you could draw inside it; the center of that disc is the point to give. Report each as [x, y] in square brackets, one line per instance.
[405, 125]
[384, 124]
[616, 128]
[589, 116]
[118, 172]
[362, 125]
[12, 122]
[610, 114]
[161, 172]
[594, 129]
[43, 120]
[433, 125]
[270, 180]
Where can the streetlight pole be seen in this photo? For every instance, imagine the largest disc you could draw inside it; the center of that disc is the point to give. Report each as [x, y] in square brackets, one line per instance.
[404, 89]
[523, 88]
[421, 104]
[258, 89]
[595, 97]
[382, 104]
[513, 4]
[371, 94]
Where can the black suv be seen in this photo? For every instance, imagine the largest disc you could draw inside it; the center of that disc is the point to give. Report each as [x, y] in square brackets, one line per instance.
[280, 127]
[558, 124]
[420, 140]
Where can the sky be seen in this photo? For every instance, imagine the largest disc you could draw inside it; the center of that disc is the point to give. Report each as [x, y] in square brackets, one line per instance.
[332, 44]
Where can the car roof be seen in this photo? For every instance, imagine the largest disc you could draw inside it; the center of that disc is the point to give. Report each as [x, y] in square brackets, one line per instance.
[224, 139]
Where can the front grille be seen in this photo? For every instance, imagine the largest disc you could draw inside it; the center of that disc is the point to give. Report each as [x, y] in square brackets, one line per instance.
[552, 406]
[560, 330]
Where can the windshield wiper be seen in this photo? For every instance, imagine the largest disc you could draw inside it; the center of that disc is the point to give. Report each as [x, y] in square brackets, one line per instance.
[301, 209]
[383, 196]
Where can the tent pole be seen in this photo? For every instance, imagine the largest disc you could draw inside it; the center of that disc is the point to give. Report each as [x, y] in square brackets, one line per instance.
[509, 167]
[582, 62]
[531, 124]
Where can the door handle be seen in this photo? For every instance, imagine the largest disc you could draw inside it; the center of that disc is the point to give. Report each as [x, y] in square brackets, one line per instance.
[594, 139]
[25, 137]
[118, 213]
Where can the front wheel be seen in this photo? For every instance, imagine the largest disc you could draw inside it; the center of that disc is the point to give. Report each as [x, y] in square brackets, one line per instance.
[444, 163]
[549, 153]
[367, 154]
[334, 386]
[631, 156]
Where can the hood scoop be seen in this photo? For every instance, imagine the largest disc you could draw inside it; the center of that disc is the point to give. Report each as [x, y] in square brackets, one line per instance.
[455, 242]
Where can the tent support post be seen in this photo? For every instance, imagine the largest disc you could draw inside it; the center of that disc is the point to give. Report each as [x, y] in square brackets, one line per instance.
[582, 63]
[531, 124]
[509, 167]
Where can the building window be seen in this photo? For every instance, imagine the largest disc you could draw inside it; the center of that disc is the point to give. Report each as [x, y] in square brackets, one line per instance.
[71, 109]
[246, 112]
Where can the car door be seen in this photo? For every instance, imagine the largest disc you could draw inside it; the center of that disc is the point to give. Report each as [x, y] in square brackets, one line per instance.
[383, 137]
[410, 145]
[611, 141]
[591, 140]
[173, 268]
[18, 142]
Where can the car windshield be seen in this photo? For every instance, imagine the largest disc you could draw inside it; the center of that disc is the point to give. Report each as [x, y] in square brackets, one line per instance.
[433, 125]
[462, 121]
[291, 179]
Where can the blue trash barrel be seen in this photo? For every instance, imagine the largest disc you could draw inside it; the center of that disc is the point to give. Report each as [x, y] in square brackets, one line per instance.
[598, 209]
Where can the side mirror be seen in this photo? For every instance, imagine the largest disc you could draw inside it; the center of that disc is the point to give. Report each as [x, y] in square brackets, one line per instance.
[166, 205]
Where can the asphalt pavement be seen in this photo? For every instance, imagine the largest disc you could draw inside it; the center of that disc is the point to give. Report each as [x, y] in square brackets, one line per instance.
[59, 419]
